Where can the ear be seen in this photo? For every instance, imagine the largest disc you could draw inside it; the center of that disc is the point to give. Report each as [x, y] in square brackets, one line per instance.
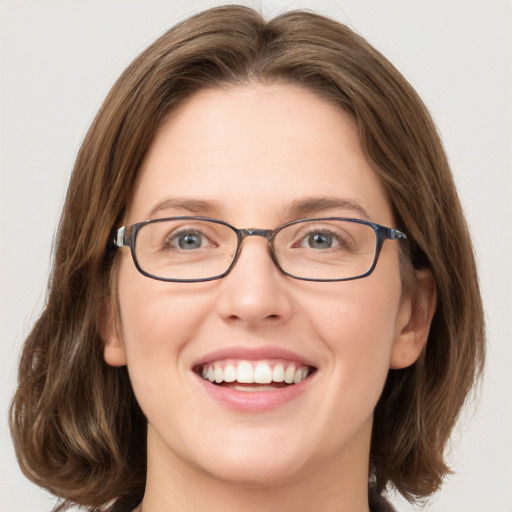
[113, 345]
[414, 321]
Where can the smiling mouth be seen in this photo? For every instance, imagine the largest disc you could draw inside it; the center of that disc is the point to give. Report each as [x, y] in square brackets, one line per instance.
[244, 375]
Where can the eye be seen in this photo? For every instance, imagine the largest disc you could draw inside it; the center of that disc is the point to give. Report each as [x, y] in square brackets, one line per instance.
[320, 240]
[187, 240]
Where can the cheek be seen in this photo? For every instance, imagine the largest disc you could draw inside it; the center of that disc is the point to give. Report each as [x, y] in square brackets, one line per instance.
[357, 324]
[155, 322]
[359, 313]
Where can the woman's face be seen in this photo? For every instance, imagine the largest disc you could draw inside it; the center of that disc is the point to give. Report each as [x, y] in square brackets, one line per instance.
[259, 156]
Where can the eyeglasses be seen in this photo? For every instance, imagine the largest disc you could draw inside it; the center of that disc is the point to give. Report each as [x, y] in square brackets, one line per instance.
[193, 249]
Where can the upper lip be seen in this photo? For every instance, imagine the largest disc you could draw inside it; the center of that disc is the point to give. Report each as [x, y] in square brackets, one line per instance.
[253, 354]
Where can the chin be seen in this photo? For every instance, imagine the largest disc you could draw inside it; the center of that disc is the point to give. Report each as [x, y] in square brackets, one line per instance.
[255, 472]
[264, 460]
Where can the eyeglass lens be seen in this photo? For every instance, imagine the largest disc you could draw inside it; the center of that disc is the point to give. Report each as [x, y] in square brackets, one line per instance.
[190, 249]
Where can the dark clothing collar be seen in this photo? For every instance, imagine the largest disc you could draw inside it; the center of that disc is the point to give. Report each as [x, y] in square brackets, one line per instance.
[378, 503]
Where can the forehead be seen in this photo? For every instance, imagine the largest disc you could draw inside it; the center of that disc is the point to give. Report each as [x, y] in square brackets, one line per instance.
[252, 151]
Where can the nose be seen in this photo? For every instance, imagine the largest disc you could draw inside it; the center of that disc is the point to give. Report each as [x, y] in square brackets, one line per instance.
[255, 291]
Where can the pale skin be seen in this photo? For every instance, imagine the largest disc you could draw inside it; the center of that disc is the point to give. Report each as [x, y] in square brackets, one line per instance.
[248, 153]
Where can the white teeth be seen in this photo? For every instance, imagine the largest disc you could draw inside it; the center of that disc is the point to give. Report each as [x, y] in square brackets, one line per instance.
[229, 373]
[278, 373]
[300, 375]
[245, 373]
[254, 373]
[262, 374]
[289, 374]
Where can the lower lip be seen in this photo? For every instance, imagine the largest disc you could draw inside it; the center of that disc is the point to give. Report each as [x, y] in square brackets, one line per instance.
[254, 401]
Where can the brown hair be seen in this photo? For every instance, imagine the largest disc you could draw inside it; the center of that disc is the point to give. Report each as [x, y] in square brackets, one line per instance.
[77, 428]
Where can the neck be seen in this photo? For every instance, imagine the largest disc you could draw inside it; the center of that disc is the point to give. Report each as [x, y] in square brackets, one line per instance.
[175, 485]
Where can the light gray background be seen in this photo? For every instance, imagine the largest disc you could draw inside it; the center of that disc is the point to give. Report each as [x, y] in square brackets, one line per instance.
[58, 58]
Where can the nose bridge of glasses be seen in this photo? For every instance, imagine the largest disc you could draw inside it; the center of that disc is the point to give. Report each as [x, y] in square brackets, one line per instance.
[249, 232]
[246, 232]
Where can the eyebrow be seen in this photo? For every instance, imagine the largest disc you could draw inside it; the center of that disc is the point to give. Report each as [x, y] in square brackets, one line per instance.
[309, 205]
[296, 209]
[186, 204]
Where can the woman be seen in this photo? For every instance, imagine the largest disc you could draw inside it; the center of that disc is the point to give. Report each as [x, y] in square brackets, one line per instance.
[264, 294]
